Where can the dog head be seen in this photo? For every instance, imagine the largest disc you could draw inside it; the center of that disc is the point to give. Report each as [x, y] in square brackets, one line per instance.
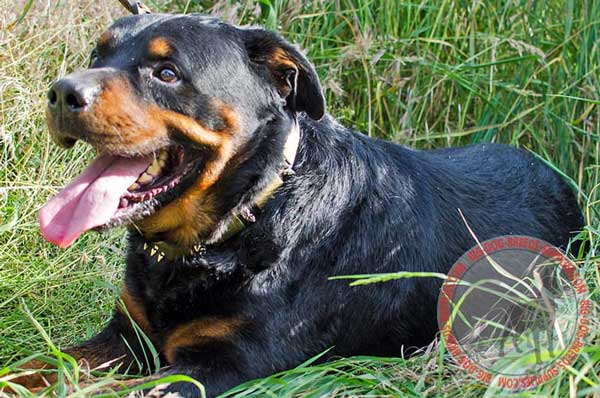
[187, 113]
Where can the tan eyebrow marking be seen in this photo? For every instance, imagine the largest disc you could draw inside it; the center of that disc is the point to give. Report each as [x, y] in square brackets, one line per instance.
[105, 39]
[159, 47]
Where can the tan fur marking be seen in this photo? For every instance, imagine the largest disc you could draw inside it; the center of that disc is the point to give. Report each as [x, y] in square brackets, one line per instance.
[119, 122]
[281, 58]
[105, 39]
[200, 332]
[159, 47]
[135, 309]
[184, 219]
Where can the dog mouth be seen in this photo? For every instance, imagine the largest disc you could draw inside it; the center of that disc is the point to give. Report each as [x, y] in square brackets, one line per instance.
[114, 190]
[163, 174]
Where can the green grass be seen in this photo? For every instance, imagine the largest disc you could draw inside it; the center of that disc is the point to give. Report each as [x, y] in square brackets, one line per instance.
[427, 74]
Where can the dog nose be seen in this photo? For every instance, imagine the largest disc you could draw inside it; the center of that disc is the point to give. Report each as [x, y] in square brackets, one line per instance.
[71, 94]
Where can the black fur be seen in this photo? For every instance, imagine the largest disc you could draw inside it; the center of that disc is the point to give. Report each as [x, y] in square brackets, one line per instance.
[355, 205]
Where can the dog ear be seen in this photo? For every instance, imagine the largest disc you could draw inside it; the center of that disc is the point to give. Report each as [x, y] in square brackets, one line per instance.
[294, 76]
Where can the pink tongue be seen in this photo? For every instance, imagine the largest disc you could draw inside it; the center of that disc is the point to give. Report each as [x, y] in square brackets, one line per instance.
[91, 200]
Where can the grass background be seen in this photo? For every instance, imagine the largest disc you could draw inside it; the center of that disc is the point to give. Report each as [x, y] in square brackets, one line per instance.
[427, 74]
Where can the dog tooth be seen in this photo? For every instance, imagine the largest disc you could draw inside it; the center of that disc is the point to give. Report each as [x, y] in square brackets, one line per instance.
[163, 155]
[145, 178]
[133, 186]
[145, 246]
[154, 168]
[160, 256]
[153, 250]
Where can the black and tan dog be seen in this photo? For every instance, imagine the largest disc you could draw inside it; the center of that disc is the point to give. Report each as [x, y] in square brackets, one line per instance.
[242, 197]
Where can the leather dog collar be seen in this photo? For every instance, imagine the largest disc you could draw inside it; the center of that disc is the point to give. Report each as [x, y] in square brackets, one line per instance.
[237, 221]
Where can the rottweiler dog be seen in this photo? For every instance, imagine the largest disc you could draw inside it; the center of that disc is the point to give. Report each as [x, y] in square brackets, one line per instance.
[242, 197]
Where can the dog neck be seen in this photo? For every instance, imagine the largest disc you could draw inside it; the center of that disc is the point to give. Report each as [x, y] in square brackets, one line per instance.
[239, 217]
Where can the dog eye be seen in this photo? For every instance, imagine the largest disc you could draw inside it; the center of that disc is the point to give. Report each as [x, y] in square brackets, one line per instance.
[167, 75]
[93, 57]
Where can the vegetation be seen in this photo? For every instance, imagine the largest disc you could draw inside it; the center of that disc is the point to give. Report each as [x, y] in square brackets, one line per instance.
[427, 74]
